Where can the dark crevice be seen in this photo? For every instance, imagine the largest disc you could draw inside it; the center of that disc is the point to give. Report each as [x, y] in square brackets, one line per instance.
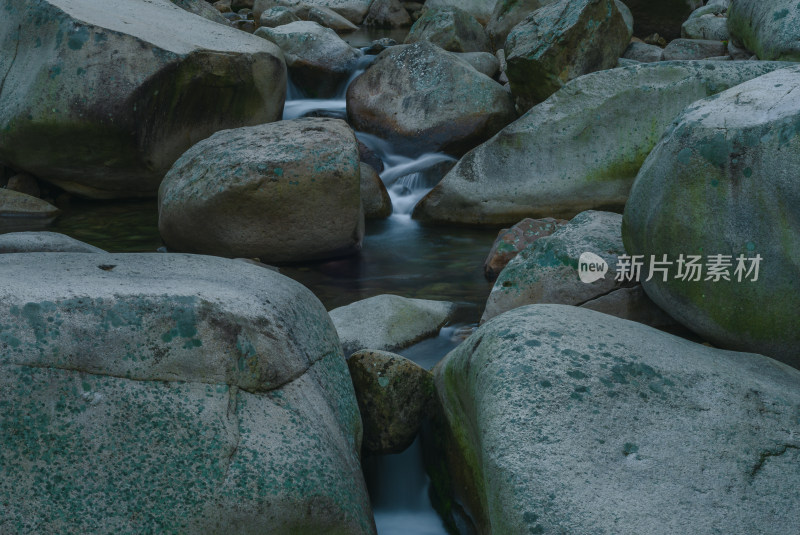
[777, 452]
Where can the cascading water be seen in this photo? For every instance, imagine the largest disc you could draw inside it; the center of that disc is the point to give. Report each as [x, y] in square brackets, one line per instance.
[398, 483]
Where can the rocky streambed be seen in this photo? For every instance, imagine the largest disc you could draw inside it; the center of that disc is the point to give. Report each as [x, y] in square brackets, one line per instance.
[253, 277]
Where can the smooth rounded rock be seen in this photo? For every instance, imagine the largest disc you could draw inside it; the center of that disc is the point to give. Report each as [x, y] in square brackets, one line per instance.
[771, 28]
[43, 242]
[281, 192]
[450, 28]
[374, 196]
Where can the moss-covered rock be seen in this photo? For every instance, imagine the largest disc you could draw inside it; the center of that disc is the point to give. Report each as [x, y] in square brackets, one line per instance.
[480, 9]
[562, 41]
[511, 241]
[565, 420]
[723, 181]
[770, 29]
[101, 97]
[547, 270]
[450, 28]
[604, 125]
[168, 393]
[394, 396]
[281, 192]
[416, 97]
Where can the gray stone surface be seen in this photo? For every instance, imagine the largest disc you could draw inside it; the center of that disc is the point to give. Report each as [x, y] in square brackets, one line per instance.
[201, 8]
[547, 270]
[374, 196]
[277, 16]
[15, 204]
[560, 42]
[604, 125]
[634, 305]
[319, 60]
[43, 242]
[706, 27]
[450, 28]
[694, 49]
[415, 96]
[352, 10]
[480, 9]
[387, 14]
[571, 421]
[211, 394]
[101, 97]
[771, 28]
[389, 322]
[281, 192]
[330, 19]
[483, 62]
[723, 181]
[394, 396]
[511, 241]
[643, 52]
[663, 17]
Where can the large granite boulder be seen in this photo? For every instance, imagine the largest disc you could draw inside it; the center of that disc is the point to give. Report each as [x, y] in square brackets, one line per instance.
[560, 42]
[389, 322]
[770, 28]
[723, 184]
[604, 125]
[415, 95]
[507, 14]
[450, 28]
[387, 14]
[167, 393]
[101, 97]
[319, 60]
[547, 271]
[282, 192]
[480, 9]
[565, 420]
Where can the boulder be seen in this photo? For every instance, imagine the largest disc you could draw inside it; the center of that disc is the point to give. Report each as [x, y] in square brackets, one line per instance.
[281, 192]
[15, 204]
[101, 98]
[330, 19]
[710, 27]
[480, 9]
[547, 270]
[562, 41]
[450, 28]
[511, 241]
[664, 17]
[604, 125]
[483, 62]
[564, 420]
[643, 52]
[24, 183]
[43, 242]
[387, 14]
[771, 29]
[394, 396]
[389, 322]
[723, 181]
[352, 10]
[319, 60]
[157, 393]
[414, 96]
[694, 49]
[201, 8]
[277, 16]
[508, 14]
[374, 196]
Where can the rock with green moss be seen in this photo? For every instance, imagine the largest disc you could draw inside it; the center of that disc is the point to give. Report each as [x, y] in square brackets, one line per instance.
[547, 270]
[711, 27]
[723, 181]
[562, 41]
[771, 28]
[352, 10]
[101, 97]
[450, 28]
[43, 242]
[282, 192]
[604, 125]
[389, 322]
[15, 204]
[507, 14]
[565, 420]
[480, 9]
[415, 96]
[277, 16]
[394, 396]
[319, 60]
[511, 241]
[169, 393]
